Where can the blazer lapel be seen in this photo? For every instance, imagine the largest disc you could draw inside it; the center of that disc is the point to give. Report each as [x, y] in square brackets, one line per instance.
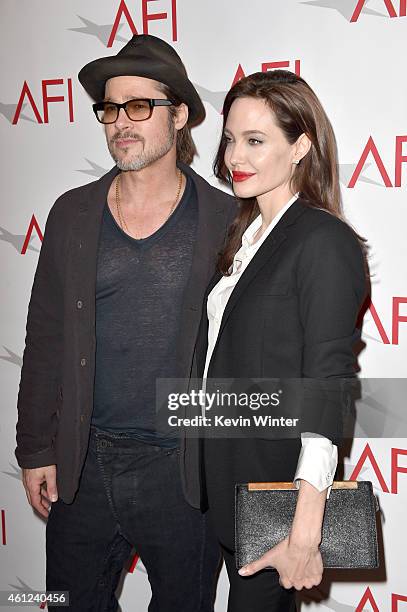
[262, 257]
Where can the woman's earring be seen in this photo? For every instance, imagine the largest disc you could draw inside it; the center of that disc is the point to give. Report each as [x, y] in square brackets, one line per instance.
[296, 162]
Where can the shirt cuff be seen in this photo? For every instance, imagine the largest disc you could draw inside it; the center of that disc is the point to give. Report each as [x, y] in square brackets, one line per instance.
[317, 462]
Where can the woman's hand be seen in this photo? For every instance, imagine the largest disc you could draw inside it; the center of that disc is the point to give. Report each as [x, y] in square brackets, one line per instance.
[297, 558]
[298, 564]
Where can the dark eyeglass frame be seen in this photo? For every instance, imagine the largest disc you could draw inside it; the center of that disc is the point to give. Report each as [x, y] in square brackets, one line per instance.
[152, 102]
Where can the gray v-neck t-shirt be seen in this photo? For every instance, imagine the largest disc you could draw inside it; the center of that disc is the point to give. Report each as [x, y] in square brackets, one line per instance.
[139, 292]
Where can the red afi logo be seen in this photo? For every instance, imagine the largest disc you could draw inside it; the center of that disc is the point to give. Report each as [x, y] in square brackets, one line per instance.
[389, 6]
[397, 318]
[33, 225]
[372, 150]
[369, 599]
[367, 455]
[46, 99]
[146, 17]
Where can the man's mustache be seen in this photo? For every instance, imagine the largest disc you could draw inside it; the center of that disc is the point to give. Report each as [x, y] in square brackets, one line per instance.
[125, 135]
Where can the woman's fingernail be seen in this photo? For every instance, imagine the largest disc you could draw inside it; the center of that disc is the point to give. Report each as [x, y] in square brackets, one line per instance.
[244, 571]
[54, 498]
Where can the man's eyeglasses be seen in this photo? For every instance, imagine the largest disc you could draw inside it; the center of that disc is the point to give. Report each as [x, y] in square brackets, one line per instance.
[136, 110]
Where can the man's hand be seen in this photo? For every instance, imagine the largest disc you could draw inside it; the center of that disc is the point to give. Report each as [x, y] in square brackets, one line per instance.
[299, 566]
[41, 487]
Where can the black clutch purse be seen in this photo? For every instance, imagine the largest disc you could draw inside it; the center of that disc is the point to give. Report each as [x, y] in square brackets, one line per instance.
[264, 514]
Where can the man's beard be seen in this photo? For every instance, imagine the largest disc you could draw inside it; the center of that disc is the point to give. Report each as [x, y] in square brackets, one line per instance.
[147, 157]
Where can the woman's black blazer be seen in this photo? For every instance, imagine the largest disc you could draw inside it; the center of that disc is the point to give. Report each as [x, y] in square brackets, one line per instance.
[292, 314]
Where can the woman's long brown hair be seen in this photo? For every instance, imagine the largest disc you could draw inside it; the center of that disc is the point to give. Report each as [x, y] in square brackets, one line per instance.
[297, 111]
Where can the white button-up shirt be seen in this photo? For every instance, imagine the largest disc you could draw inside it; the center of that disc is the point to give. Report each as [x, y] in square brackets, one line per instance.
[318, 458]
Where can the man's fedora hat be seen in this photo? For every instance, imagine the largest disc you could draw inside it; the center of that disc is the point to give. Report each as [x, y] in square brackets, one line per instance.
[145, 56]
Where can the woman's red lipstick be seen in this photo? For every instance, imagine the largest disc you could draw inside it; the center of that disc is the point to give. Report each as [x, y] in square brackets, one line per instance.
[241, 176]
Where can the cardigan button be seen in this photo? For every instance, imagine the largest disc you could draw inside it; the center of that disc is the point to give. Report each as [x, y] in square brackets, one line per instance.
[79, 304]
[83, 361]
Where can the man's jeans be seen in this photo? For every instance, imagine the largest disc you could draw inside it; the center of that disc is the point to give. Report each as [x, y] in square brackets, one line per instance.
[130, 495]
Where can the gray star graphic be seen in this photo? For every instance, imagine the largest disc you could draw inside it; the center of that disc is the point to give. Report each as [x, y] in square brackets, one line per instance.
[9, 110]
[317, 595]
[94, 169]
[345, 7]
[12, 357]
[16, 240]
[16, 473]
[23, 586]
[214, 98]
[369, 337]
[337, 606]
[348, 469]
[379, 410]
[102, 32]
[346, 171]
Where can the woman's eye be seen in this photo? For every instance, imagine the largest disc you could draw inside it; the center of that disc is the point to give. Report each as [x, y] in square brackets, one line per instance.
[255, 141]
[227, 139]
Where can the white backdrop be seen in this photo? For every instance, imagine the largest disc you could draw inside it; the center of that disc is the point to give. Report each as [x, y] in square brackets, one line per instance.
[352, 52]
